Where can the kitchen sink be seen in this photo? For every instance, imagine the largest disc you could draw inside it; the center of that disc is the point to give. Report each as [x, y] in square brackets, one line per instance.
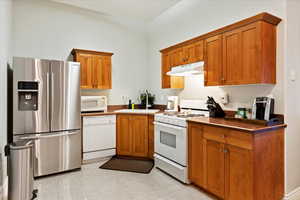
[138, 111]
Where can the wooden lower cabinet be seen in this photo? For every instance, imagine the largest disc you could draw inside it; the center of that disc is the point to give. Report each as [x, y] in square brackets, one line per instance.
[133, 135]
[124, 135]
[196, 155]
[214, 165]
[139, 129]
[151, 136]
[239, 173]
[230, 168]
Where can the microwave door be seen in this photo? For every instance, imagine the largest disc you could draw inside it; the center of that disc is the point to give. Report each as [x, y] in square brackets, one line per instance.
[31, 95]
[65, 96]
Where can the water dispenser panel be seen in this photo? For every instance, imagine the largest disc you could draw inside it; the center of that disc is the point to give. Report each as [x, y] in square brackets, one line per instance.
[28, 95]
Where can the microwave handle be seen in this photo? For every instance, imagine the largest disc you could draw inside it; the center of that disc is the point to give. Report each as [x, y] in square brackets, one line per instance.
[169, 126]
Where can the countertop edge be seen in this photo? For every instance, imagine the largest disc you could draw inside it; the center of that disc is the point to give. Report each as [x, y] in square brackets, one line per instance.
[114, 113]
[258, 130]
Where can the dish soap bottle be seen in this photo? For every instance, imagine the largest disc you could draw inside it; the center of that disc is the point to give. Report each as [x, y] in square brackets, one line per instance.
[129, 104]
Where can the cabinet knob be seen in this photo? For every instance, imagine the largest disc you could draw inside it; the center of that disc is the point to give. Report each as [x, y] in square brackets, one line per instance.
[225, 150]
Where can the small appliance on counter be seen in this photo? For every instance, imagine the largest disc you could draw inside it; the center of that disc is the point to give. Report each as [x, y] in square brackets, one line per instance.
[215, 110]
[263, 108]
[93, 103]
[172, 104]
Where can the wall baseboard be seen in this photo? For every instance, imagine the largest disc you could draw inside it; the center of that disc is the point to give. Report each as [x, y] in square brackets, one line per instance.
[294, 195]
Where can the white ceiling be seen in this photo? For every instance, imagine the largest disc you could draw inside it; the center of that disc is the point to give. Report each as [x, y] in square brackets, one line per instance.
[137, 12]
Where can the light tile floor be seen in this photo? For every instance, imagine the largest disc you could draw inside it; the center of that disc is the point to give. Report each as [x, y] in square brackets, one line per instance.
[92, 183]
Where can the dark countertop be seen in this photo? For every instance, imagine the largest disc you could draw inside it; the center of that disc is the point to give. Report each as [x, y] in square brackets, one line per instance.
[237, 125]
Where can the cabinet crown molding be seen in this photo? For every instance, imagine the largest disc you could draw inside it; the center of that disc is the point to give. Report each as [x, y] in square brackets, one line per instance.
[75, 51]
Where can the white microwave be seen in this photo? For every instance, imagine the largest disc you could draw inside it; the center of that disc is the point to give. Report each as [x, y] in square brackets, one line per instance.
[93, 103]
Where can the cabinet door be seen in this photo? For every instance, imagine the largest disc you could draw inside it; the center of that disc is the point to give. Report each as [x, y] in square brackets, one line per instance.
[86, 70]
[166, 66]
[195, 152]
[239, 174]
[213, 61]
[241, 55]
[199, 48]
[139, 131]
[102, 71]
[124, 135]
[176, 57]
[214, 167]
[189, 54]
[174, 82]
[150, 136]
[193, 52]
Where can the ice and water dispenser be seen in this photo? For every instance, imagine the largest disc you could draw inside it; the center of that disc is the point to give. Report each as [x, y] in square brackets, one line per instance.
[28, 95]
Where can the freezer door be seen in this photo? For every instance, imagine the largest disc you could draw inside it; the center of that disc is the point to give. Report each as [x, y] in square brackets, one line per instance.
[26, 119]
[65, 96]
[55, 152]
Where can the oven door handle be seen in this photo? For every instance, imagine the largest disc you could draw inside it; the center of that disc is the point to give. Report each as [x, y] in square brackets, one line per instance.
[169, 126]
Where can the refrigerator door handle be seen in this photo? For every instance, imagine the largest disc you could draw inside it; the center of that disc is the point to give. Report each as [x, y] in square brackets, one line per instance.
[48, 96]
[52, 106]
[69, 133]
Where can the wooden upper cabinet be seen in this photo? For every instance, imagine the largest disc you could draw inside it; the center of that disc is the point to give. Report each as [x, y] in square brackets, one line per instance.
[87, 79]
[242, 56]
[213, 61]
[199, 51]
[95, 68]
[176, 57]
[193, 52]
[102, 71]
[166, 80]
[237, 54]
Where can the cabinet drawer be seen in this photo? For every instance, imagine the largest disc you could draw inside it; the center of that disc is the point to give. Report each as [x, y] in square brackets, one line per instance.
[214, 133]
[239, 139]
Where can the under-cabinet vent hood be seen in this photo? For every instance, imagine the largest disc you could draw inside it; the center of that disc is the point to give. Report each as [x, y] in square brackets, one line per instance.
[187, 70]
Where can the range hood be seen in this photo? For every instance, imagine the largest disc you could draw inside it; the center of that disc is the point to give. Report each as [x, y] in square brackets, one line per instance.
[187, 70]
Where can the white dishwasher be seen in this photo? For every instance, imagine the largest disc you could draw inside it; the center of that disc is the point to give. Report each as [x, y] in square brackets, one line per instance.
[99, 137]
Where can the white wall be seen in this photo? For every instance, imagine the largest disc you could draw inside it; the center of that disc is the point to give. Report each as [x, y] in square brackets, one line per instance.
[292, 97]
[5, 21]
[51, 30]
[190, 18]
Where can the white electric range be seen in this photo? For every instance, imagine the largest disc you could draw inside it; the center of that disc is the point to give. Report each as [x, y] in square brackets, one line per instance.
[171, 138]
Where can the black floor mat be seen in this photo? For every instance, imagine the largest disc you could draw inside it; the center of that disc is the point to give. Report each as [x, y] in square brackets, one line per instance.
[129, 164]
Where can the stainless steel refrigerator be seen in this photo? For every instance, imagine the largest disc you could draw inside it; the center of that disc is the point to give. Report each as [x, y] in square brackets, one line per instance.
[46, 110]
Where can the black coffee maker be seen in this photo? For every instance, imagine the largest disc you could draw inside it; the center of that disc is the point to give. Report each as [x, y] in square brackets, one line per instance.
[263, 108]
[215, 110]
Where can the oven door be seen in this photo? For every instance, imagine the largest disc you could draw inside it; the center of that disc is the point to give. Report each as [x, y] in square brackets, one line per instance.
[171, 142]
